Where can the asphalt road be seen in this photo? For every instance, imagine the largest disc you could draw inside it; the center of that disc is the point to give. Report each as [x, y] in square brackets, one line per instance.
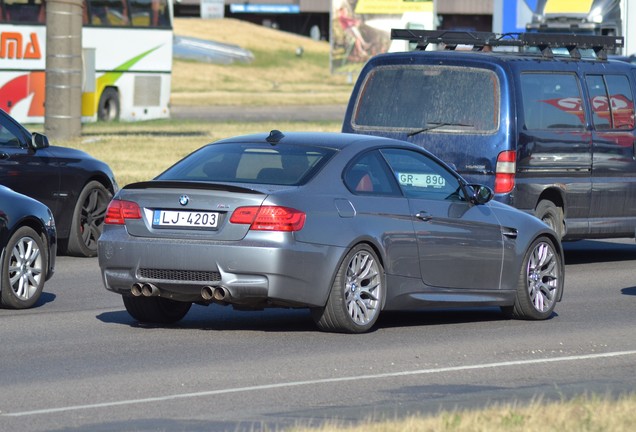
[77, 361]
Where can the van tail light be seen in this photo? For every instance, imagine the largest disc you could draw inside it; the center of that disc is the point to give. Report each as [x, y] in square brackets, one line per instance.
[118, 211]
[505, 171]
[269, 218]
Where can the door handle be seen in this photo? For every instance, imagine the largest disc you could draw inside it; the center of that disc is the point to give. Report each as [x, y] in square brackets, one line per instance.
[422, 215]
[4, 156]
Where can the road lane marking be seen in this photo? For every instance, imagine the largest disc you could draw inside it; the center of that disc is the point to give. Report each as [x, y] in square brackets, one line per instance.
[319, 381]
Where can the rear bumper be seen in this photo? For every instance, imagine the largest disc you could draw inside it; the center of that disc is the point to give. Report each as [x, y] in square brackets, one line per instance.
[263, 269]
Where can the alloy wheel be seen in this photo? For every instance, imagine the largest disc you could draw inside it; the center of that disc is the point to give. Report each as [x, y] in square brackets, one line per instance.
[363, 291]
[543, 277]
[25, 268]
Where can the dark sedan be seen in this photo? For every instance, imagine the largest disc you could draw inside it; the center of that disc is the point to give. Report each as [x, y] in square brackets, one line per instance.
[28, 244]
[74, 185]
[346, 225]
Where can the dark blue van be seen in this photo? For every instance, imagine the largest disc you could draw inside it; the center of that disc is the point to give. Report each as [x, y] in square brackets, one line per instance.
[552, 134]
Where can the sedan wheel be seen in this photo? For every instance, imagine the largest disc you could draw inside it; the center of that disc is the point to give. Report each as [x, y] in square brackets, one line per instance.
[156, 310]
[88, 220]
[540, 282]
[357, 294]
[23, 269]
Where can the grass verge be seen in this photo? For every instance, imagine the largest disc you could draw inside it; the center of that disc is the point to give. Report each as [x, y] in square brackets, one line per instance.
[582, 414]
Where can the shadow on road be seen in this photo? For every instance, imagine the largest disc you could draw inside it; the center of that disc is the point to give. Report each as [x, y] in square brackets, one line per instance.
[44, 299]
[597, 251]
[218, 318]
[427, 318]
[629, 291]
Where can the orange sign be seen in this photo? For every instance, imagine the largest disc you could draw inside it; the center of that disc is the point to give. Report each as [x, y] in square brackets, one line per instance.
[12, 46]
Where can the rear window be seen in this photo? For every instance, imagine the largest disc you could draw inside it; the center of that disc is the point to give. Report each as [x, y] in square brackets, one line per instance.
[250, 163]
[435, 98]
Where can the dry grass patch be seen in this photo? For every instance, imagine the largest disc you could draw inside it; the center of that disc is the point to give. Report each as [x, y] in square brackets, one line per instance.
[277, 76]
[276, 97]
[583, 414]
[245, 34]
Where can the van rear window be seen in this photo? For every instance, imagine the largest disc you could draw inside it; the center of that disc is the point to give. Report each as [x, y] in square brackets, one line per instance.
[431, 98]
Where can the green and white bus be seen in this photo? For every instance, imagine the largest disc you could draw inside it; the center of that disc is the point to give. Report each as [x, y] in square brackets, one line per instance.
[126, 54]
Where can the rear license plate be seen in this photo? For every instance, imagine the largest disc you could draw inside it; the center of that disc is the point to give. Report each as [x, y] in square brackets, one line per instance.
[186, 219]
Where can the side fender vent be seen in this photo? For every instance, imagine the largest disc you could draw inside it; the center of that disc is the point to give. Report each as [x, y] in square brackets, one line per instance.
[511, 233]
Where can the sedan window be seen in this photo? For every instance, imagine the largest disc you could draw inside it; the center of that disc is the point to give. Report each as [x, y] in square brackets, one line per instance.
[422, 177]
[7, 139]
[369, 174]
[251, 163]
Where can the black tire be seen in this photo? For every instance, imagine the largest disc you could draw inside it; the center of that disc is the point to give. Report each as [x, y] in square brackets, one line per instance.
[88, 220]
[357, 294]
[156, 310]
[23, 269]
[551, 215]
[540, 282]
[109, 108]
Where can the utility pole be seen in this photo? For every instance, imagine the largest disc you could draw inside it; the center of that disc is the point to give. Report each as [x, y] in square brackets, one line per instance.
[63, 103]
[628, 15]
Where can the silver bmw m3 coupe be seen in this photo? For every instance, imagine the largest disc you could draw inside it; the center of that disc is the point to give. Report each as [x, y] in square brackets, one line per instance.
[345, 225]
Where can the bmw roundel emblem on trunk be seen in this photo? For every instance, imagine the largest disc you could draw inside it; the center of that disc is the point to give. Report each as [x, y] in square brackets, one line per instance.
[184, 200]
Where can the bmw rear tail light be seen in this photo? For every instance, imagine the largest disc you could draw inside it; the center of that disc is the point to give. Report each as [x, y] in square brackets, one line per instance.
[269, 218]
[120, 210]
[505, 171]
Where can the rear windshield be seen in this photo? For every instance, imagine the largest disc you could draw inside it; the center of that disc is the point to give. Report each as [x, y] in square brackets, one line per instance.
[434, 98]
[250, 163]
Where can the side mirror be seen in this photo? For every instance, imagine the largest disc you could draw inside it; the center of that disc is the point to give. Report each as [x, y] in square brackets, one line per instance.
[39, 141]
[481, 194]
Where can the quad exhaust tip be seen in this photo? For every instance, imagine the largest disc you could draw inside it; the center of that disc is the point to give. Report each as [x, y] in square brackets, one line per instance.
[208, 293]
[214, 293]
[145, 290]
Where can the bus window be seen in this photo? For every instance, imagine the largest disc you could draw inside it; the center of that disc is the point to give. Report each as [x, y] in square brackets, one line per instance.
[24, 11]
[108, 12]
[149, 13]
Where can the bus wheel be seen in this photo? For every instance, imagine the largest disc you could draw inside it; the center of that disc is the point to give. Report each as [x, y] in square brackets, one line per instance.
[108, 109]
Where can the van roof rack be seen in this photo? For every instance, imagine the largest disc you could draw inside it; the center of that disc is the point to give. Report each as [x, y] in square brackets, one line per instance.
[543, 41]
